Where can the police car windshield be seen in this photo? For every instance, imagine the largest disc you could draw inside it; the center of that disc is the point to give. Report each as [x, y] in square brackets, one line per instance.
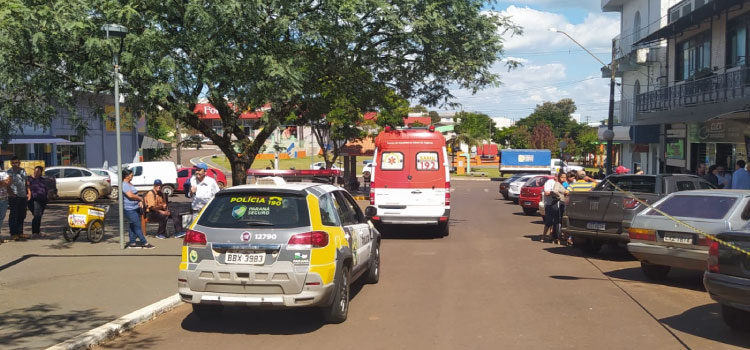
[247, 209]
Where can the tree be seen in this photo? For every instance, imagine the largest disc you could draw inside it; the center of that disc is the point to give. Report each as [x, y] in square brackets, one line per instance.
[543, 138]
[587, 142]
[477, 126]
[434, 117]
[418, 109]
[243, 55]
[557, 115]
[521, 138]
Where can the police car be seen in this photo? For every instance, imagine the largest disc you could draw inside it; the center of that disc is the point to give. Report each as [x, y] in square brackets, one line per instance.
[278, 244]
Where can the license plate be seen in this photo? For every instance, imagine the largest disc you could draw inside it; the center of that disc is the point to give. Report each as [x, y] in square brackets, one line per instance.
[245, 259]
[596, 226]
[526, 203]
[678, 238]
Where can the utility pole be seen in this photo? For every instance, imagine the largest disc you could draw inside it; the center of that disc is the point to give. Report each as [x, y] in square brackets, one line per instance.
[178, 139]
[611, 118]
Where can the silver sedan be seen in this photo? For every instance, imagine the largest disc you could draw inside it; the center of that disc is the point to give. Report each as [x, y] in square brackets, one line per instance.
[661, 243]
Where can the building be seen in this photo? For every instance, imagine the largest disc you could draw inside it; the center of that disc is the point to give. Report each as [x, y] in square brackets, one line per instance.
[65, 143]
[695, 105]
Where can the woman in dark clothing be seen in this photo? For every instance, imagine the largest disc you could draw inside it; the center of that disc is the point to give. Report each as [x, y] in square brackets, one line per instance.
[37, 200]
[711, 176]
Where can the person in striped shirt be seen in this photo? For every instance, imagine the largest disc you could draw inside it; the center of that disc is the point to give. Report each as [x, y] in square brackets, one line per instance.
[583, 183]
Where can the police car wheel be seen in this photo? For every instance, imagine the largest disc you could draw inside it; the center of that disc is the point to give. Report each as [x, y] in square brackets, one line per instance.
[339, 308]
[207, 312]
[373, 275]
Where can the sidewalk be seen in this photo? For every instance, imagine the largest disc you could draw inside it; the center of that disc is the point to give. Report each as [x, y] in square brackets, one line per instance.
[53, 290]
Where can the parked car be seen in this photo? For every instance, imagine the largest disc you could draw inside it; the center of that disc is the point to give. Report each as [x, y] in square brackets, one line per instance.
[531, 193]
[322, 165]
[183, 174]
[603, 215]
[505, 184]
[660, 243]
[79, 183]
[113, 179]
[727, 278]
[278, 244]
[144, 174]
[514, 189]
[367, 169]
[411, 184]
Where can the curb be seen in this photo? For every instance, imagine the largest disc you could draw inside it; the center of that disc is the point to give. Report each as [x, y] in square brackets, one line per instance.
[114, 328]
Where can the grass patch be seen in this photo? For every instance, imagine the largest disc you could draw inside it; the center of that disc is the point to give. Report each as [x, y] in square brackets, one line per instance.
[482, 172]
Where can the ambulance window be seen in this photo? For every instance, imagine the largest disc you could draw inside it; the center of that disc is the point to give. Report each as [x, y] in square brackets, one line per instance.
[428, 161]
[392, 161]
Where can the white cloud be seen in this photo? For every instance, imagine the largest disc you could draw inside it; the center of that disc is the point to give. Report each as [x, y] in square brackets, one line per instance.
[595, 32]
[593, 5]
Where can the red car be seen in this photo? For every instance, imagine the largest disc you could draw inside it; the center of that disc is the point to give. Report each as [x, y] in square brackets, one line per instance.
[531, 193]
[183, 174]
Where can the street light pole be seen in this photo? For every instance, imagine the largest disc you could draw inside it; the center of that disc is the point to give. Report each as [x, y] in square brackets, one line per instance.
[117, 30]
[609, 133]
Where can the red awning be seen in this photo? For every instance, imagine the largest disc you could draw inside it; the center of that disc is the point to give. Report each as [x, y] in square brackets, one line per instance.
[208, 112]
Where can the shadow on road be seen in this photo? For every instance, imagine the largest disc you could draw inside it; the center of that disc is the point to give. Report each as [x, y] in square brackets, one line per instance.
[414, 232]
[251, 321]
[607, 253]
[705, 321]
[20, 326]
[678, 278]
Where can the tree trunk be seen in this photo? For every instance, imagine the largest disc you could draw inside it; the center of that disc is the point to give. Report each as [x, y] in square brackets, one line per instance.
[239, 172]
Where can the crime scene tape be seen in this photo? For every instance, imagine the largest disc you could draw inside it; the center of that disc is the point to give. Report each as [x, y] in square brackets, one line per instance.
[691, 227]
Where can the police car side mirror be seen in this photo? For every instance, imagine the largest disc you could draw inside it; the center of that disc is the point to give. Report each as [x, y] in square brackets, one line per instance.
[371, 211]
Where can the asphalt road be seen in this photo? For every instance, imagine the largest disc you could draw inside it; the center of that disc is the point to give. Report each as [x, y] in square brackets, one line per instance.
[489, 285]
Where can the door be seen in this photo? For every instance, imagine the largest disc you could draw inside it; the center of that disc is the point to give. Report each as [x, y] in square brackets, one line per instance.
[70, 183]
[182, 176]
[139, 179]
[356, 228]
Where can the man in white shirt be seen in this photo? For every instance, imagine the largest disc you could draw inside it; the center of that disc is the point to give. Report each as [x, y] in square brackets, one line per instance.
[202, 187]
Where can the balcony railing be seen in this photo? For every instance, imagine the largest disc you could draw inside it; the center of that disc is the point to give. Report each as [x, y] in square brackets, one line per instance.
[712, 89]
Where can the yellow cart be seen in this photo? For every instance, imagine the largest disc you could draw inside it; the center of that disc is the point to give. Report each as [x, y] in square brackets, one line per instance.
[85, 217]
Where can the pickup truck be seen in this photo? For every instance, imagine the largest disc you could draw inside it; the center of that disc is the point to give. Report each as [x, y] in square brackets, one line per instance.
[603, 215]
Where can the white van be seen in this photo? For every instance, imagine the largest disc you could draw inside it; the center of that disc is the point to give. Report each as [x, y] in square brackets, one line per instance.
[144, 174]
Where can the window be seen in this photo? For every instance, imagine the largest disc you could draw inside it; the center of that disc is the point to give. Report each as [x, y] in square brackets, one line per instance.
[346, 213]
[737, 43]
[694, 57]
[685, 186]
[644, 184]
[183, 173]
[86, 173]
[53, 172]
[428, 161]
[706, 185]
[636, 27]
[247, 210]
[137, 171]
[696, 207]
[392, 161]
[327, 211]
[72, 173]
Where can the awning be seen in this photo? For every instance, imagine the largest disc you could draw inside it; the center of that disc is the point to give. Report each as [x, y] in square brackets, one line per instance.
[37, 140]
[152, 143]
[690, 19]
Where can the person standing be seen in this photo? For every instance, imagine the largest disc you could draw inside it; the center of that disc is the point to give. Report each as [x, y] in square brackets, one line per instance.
[202, 188]
[741, 178]
[712, 176]
[132, 208]
[701, 170]
[724, 178]
[554, 193]
[18, 195]
[4, 183]
[581, 184]
[157, 209]
[37, 200]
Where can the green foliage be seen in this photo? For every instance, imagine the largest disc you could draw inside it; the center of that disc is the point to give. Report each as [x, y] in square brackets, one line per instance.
[477, 126]
[160, 125]
[418, 109]
[434, 117]
[295, 56]
[521, 138]
[557, 115]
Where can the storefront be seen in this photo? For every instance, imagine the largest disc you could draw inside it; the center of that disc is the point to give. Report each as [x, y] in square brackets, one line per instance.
[722, 141]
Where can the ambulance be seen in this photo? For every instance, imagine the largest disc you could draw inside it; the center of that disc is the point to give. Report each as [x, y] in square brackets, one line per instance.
[410, 179]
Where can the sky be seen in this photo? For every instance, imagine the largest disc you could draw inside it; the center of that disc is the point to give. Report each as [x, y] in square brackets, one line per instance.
[554, 67]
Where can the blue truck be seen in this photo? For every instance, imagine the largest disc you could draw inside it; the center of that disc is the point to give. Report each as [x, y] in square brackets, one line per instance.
[531, 161]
